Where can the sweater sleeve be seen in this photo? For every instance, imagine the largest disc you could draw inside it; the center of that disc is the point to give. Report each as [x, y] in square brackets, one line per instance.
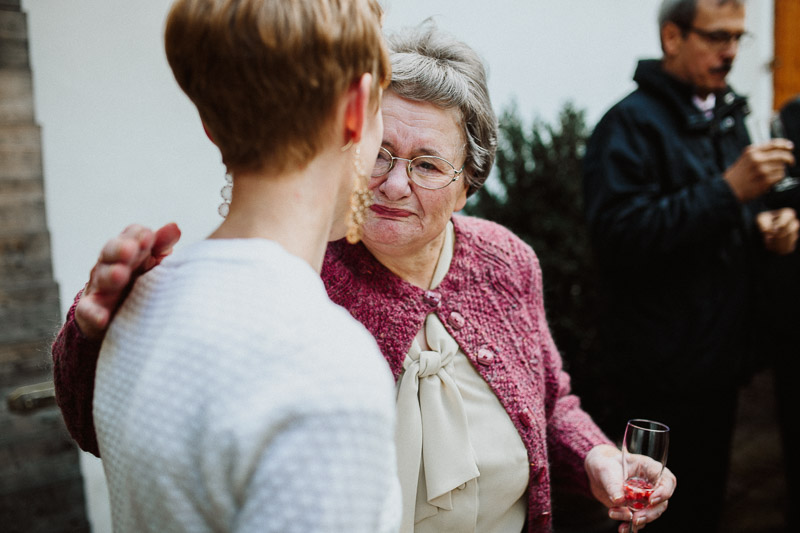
[74, 364]
[571, 432]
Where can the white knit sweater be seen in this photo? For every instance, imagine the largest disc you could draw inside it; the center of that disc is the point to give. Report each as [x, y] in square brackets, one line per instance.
[232, 395]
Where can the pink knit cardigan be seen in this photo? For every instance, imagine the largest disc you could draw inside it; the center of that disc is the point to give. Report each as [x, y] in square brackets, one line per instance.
[490, 302]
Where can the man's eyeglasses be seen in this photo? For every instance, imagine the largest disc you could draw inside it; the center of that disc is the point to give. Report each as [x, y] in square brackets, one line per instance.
[720, 39]
[427, 171]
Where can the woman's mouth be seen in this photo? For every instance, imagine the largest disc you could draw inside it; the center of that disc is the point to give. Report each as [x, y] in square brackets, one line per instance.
[383, 211]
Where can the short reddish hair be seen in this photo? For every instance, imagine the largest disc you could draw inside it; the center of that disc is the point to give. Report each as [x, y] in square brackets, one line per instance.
[265, 75]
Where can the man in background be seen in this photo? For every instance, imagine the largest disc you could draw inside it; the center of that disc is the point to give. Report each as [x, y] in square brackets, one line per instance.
[673, 189]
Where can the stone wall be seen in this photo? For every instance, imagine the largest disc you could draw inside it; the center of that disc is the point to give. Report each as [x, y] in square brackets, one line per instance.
[41, 489]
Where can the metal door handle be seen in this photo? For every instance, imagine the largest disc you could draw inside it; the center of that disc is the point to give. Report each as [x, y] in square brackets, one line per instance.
[32, 397]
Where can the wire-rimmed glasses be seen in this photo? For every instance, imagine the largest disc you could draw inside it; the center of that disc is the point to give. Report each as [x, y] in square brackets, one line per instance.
[428, 171]
[721, 39]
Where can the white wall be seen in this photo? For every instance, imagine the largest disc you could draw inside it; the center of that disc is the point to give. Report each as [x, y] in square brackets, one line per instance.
[123, 144]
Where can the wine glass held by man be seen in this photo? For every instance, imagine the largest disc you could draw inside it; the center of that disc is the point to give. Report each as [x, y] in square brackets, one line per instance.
[778, 130]
[486, 418]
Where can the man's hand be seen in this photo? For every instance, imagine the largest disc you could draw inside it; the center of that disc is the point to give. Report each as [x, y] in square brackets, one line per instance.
[759, 168]
[124, 258]
[779, 229]
[604, 468]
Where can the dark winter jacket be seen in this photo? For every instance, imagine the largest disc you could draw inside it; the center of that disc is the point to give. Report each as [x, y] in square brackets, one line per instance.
[675, 247]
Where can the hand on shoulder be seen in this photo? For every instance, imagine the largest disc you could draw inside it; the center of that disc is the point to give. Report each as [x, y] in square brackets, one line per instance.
[123, 259]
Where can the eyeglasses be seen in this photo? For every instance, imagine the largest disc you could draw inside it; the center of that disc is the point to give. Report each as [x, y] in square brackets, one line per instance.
[427, 171]
[721, 39]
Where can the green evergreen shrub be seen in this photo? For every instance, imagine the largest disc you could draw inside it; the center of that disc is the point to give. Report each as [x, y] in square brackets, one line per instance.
[536, 191]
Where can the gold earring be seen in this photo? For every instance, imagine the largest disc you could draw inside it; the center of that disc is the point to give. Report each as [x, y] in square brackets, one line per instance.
[360, 200]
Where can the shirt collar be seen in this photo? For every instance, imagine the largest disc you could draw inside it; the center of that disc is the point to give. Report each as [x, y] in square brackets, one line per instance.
[706, 105]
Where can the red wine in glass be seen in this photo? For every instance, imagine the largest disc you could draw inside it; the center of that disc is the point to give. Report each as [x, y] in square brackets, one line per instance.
[644, 456]
[637, 492]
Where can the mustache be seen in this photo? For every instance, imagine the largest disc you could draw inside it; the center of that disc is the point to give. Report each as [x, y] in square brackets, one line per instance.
[723, 69]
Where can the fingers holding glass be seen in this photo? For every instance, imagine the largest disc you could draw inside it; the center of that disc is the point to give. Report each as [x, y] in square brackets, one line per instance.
[644, 457]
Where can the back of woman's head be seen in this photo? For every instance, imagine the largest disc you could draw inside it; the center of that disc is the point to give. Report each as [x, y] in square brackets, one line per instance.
[428, 65]
[266, 75]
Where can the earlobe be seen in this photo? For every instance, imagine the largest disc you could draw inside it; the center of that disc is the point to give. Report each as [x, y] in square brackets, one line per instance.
[461, 201]
[671, 37]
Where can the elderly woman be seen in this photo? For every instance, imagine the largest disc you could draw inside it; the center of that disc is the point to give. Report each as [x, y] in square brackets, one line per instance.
[485, 415]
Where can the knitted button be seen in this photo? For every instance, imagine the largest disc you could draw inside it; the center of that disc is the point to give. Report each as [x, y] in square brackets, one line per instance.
[485, 357]
[432, 298]
[456, 320]
[526, 418]
[543, 518]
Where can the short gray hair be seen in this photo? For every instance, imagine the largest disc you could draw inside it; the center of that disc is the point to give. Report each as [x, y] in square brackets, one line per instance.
[682, 12]
[428, 65]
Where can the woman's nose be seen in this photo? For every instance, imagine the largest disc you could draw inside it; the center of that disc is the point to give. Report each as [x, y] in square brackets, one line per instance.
[396, 183]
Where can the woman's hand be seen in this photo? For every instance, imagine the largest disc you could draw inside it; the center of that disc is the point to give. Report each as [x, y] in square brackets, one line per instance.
[124, 258]
[604, 467]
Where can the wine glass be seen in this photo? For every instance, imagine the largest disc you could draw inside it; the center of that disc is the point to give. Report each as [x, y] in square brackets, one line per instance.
[644, 456]
[777, 131]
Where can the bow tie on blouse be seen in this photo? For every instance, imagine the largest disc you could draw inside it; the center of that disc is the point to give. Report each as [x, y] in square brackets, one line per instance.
[432, 428]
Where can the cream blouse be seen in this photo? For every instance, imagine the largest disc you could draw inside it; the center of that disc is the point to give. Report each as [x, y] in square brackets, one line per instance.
[463, 466]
